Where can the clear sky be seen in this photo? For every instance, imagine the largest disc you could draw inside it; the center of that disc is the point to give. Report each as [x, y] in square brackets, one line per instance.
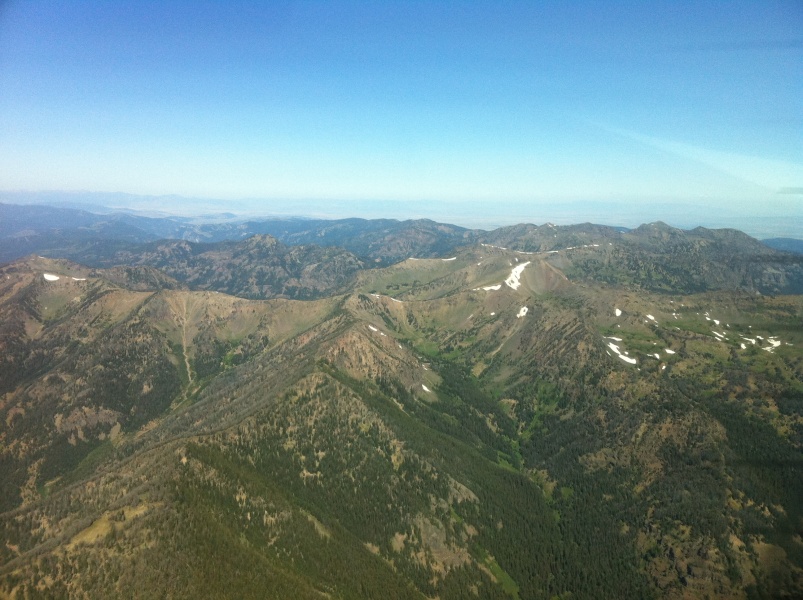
[483, 105]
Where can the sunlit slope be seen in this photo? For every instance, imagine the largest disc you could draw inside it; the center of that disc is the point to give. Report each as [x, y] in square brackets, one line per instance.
[309, 450]
[480, 267]
[485, 421]
[691, 391]
[85, 362]
[696, 391]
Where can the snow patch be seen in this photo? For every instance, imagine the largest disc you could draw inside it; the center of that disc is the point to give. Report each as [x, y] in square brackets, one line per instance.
[617, 312]
[448, 259]
[522, 311]
[79, 278]
[615, 348]
[513, 281]
[372, 328]
[489, 288]
[651, 318]
[668, 351]
[49, 277]
[426, 389]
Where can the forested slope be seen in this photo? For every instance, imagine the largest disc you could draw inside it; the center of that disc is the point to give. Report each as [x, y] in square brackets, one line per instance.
[495, 423]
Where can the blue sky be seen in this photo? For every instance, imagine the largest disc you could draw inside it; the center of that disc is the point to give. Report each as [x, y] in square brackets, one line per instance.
[463, 104]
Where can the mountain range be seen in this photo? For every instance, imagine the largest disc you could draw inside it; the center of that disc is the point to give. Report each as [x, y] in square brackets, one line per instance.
[695, 260]
[385, 409]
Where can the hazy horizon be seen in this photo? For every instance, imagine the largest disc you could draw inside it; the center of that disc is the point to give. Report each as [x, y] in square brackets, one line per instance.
[478, 112]
[473, 215]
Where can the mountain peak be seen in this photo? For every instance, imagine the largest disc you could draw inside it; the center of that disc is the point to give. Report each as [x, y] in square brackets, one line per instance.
[656, 227]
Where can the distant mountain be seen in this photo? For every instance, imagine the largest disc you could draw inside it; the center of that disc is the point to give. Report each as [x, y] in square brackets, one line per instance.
[66, 232]
[257, 267]
[654, 256]
[16, 221]
[508, 420]
[785, 244]
[661, 258]
[382, 240]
